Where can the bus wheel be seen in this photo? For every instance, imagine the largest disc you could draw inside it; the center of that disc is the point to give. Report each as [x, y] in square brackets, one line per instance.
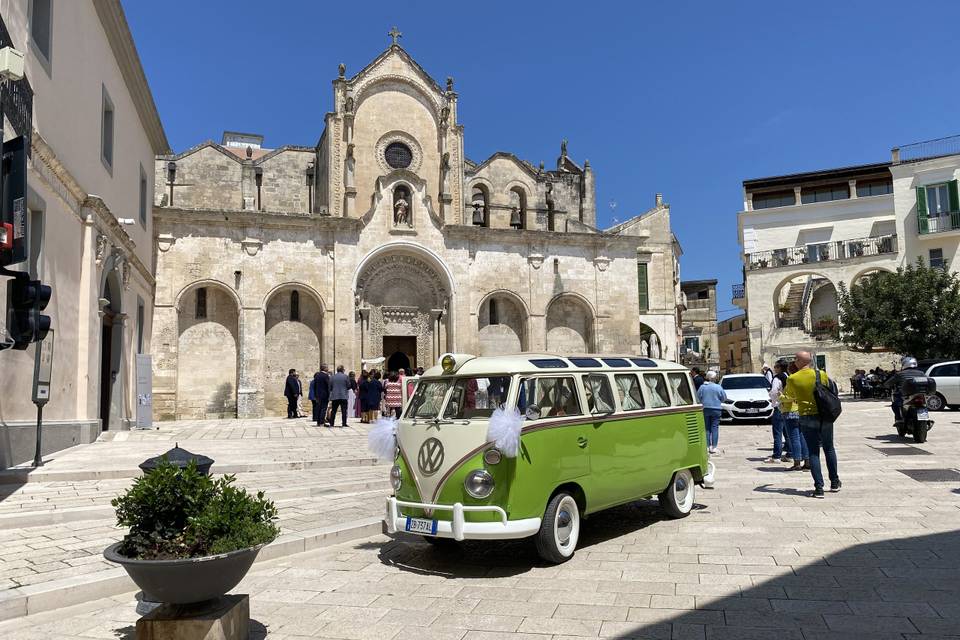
[557, 539]
[677, 500]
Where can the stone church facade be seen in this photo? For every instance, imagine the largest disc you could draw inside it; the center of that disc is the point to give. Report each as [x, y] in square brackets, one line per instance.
[384, 239]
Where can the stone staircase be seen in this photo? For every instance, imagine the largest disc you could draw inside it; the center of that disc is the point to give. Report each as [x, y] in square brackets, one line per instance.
[794, 317]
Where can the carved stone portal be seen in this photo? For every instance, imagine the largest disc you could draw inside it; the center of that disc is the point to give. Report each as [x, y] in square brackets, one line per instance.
[401, 291]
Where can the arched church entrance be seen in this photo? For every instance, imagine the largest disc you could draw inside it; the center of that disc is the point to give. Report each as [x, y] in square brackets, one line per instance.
[403, 301]
[111, 350]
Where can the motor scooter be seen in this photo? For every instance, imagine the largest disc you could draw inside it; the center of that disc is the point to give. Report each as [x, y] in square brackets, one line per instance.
[915, 418]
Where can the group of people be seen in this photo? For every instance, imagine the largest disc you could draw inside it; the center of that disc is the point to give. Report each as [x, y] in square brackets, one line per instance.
[799, 431]
[870, 384]
[340, 392]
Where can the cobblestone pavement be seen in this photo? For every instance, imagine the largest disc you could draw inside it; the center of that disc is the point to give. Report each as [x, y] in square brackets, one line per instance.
[759, 558]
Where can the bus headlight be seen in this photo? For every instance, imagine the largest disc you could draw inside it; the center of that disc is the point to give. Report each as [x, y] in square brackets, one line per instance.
[492, 456]
[396, 477]
[479, 483]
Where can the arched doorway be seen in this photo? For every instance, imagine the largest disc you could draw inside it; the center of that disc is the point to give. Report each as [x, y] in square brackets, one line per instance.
[293, 340]
[111, 351]
[501, 324]
[403, 302]
[208, 318]
[569, 325]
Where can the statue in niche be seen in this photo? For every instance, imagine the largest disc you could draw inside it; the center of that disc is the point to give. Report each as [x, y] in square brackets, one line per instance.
[654, 346]
[401, 207]
[349, 165]
[349, 105]
[445, 173]
[644, 349]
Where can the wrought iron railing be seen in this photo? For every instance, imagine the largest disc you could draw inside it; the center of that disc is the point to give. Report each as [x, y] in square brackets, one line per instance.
[939, 223]
[822, 252]
[16, 97]
[738, 291]
[928, 149]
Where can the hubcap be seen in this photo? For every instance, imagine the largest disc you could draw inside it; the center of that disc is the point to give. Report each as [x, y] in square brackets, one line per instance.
[566, 525]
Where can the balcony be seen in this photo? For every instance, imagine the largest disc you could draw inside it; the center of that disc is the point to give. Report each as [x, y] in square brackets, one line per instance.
[938, 223]
[737, 291]
[822, 252]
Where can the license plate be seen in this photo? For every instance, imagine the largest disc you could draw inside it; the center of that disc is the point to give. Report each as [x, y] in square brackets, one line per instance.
[923, 414]
[751, 410]
[421, 525]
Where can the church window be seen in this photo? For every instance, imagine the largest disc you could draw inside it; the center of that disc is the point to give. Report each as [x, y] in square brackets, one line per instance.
[201, 311]
[41, 23]
[398, 155]
[494, 316]
[295, 306]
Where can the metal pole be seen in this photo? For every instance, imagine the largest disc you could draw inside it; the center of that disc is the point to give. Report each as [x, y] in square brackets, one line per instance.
[37, 458]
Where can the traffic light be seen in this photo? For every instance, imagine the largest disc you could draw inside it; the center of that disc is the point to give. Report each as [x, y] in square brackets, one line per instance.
[26, 298]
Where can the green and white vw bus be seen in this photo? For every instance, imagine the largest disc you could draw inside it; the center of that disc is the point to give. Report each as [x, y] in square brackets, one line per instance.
[591, 432]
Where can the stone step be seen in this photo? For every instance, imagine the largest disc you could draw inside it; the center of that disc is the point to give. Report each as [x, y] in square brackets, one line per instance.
[31, 599]
[45, 517]
[21, 475]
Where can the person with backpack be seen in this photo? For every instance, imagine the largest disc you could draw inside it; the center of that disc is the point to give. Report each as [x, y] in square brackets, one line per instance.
[818, 405]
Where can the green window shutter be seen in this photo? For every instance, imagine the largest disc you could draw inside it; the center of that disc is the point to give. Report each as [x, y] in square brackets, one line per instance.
[642, 288]
[922, 226]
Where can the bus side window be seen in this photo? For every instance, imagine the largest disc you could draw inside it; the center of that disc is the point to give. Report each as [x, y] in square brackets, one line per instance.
[656, 390]
[680, 384]
[599, 395]
[631, 399]
[556, 397]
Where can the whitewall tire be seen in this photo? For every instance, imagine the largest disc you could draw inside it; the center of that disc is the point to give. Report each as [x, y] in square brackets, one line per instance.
[560, 529]
[677, 499]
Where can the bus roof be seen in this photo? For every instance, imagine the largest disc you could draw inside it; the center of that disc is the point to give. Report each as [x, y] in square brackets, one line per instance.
[546, 362]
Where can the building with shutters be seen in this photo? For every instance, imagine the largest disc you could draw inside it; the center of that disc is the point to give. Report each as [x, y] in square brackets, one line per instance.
[93, 140]
[383, 239]
[803, 234]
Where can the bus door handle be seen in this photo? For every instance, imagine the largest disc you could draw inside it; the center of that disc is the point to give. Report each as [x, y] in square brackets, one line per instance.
[582, 442]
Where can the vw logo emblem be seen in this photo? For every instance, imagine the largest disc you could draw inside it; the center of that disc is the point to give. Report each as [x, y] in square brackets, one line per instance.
[430, 458]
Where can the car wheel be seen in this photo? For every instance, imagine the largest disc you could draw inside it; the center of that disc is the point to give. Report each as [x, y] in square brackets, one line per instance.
[560, 529]
[677, 500]
[936, 402]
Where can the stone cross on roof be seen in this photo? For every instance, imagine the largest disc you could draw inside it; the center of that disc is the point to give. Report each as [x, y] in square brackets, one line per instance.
[395, 34]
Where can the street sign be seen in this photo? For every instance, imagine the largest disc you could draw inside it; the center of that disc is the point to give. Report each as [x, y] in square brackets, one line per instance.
[43, 370]
[144, 391]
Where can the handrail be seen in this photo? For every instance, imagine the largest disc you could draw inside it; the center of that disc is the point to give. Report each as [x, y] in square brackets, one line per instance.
[825, 251]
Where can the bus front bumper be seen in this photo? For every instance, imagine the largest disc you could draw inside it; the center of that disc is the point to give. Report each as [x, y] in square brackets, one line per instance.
[457, 528]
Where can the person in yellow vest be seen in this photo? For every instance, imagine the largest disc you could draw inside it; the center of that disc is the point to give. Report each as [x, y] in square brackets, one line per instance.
[816, 432]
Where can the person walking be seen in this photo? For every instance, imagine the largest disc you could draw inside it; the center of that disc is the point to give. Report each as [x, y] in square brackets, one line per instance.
[374, 394]
[339, 386]
[320, 395]
[777, 422]
[711, 397]
[393, 394]
[697, 378]
[364, 391]
[300, 413]
[791, 425]
[817, 432]
[292, 390]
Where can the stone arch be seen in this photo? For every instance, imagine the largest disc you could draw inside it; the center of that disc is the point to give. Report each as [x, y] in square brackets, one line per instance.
[806, 287]
[502, 323]
[404, 292]
[570, 324]
[289, 342]
[208, 333]
[651, 344]
[866, 272]
[405, 85]
[112, 369]
[518, 202]
[480, 202]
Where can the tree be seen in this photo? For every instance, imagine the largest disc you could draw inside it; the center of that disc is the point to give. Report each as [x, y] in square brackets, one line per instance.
[915, 311]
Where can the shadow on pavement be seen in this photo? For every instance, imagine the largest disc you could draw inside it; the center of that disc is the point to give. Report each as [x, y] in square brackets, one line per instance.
[502, 558]
[885, 590]
[787, 491]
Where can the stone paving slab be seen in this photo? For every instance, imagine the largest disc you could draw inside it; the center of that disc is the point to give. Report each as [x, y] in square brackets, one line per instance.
[758, 558]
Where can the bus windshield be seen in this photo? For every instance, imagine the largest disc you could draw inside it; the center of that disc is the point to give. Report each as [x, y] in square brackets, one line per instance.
[476, 397]
[428, 399]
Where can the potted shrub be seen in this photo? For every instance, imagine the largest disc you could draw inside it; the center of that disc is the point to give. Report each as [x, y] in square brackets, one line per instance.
[785, 308]
[191, 538]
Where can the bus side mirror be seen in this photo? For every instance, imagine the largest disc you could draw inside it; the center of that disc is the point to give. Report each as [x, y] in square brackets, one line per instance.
[533, 412]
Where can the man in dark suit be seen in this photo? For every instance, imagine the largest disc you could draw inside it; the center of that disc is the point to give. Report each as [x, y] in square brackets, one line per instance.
[320, 395]
[291, 389]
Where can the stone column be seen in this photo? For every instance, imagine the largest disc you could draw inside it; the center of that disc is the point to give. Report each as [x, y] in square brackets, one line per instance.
[797, 195]
[164, 348]
[364, 348]
[88, 327]
[437, 336]
[853, 188]
[250, 362]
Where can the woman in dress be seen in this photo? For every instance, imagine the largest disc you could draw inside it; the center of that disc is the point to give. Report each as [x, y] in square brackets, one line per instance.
[364, 387]
[393, 394]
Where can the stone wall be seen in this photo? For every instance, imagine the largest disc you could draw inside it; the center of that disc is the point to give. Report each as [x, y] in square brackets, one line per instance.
[207, 362]
[290, 344]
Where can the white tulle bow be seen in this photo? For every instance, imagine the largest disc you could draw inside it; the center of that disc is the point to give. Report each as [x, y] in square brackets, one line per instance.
[382, 438]
[504, 431]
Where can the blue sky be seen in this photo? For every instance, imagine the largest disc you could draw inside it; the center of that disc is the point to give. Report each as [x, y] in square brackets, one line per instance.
[683, 98]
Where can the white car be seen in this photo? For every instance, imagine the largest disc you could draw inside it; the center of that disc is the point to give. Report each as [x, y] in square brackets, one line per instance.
[947, 376]
[748, 397]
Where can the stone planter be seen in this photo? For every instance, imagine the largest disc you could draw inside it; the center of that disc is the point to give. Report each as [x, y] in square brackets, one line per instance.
[189, 580]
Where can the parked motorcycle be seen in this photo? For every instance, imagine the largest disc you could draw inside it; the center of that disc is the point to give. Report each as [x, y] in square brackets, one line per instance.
[915, 415]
